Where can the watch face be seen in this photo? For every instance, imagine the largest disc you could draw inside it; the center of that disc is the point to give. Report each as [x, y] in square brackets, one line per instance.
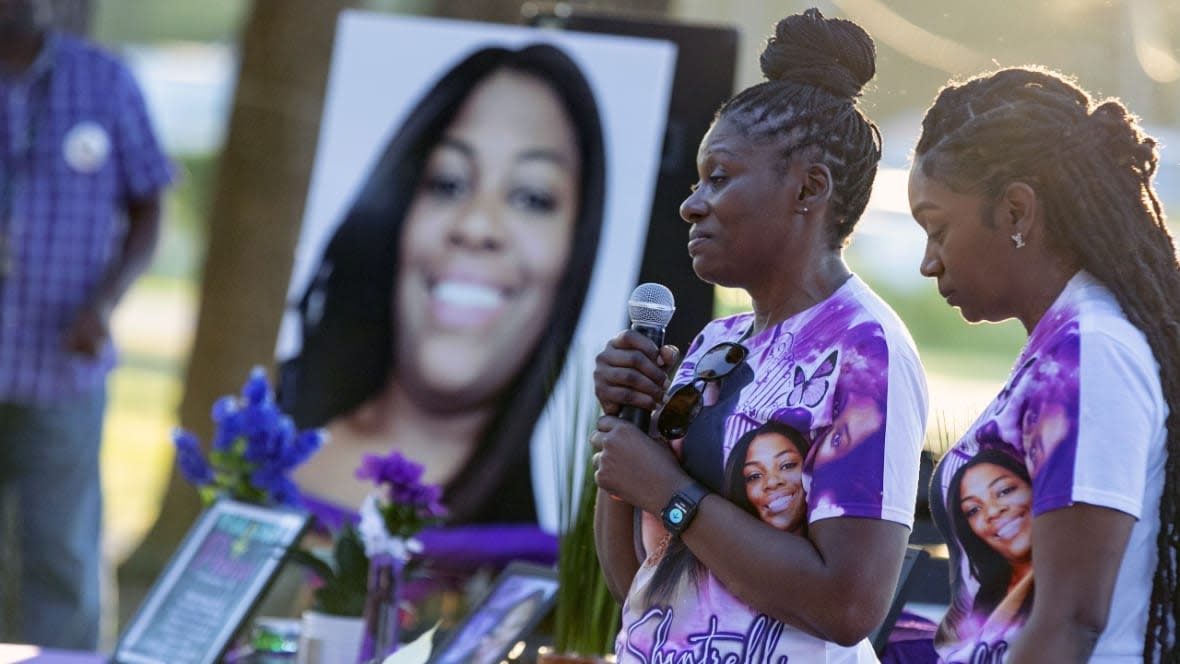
[681, 509]
[676, 515]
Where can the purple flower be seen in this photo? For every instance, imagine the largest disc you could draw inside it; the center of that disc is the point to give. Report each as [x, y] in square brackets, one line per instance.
[189, 458]
[409, 505]
[393, 470]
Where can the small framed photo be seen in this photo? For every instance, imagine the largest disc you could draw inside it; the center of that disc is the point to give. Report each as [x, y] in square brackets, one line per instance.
[212, 583]
[522, 595]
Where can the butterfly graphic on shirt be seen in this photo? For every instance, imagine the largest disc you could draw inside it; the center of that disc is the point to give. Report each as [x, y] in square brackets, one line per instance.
[809, 391]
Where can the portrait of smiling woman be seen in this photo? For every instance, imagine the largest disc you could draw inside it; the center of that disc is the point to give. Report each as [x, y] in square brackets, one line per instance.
[443, 305]
[764, 475]
[990, 512]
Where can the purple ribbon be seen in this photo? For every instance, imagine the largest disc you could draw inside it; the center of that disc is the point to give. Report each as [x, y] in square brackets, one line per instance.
[460, 547]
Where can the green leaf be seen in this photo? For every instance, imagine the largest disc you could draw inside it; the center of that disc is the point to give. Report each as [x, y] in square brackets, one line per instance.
[315, 564]
[208, 494]
[339, 601]
[352, 565]
[344, 574]
[586, 617]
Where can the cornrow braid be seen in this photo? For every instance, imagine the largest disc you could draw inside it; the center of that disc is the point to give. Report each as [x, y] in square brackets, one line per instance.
[802, 116]
[815, 68]
[1092, 166]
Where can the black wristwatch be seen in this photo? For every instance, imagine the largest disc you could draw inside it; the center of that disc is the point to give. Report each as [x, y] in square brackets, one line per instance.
[682, 507]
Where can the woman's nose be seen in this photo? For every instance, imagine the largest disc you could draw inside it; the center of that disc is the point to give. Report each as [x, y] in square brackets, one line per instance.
[931, 265]
[694, 208]
[478, 226]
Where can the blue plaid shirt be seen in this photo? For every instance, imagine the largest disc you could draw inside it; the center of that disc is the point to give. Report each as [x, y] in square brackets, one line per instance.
[76, 145]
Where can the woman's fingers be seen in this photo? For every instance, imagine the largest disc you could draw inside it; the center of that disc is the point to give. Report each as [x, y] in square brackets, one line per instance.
[630, 465]
[628, 373]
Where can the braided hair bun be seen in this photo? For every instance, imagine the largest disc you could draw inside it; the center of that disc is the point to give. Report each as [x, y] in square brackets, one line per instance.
[830, 53]
[1121, 137]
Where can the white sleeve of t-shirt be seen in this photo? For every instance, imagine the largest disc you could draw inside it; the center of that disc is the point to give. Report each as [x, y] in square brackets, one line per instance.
[1120, 418]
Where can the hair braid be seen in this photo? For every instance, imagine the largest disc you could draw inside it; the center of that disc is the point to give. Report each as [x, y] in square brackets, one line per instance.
[816, 68]
[1092, 165]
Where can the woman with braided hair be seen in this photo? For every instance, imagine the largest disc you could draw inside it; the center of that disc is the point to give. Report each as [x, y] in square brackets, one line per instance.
[785, 173]
[1038, 204]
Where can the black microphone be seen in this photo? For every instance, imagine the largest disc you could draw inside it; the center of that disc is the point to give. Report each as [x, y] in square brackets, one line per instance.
[651, 307]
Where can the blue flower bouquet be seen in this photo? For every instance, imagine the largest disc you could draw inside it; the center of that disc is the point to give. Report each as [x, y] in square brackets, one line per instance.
[254, 449]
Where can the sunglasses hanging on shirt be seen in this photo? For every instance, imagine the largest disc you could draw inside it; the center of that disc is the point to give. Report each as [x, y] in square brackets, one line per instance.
[684, 403]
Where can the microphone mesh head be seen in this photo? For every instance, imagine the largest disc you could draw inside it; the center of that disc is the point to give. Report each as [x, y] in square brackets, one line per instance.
[651, 304]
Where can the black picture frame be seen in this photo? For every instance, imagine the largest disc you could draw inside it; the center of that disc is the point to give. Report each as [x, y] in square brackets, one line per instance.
[522, 595]
[211, 585]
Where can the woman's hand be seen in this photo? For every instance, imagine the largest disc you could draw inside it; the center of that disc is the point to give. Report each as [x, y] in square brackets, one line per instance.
[632, 371]
[634, 467]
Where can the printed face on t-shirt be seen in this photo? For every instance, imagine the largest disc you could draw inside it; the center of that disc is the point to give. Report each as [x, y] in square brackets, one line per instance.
[1043, 426]
[998, 508]
[773, 474]
[857, 417]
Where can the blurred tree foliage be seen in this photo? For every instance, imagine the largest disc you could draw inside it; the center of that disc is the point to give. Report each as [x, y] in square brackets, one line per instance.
[1093, 39]
[936, 326]
[192, 192]
[985, 350]
[922, 43]
[145, 21]
[73, 15]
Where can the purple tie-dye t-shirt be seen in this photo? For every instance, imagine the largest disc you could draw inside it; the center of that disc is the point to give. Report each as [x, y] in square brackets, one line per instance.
[1079, 420]
[844, 374]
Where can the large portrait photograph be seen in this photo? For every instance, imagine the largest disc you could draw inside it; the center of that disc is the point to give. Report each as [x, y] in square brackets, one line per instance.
[474, 225]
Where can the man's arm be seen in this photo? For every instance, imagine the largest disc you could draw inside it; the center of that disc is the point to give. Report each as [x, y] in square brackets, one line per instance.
[91, 326]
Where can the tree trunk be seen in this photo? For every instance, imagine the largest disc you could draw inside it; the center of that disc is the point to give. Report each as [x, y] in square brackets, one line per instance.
[255, 219]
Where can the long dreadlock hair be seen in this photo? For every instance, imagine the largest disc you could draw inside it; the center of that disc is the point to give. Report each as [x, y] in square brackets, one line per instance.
[815, 69]
[1092, 166]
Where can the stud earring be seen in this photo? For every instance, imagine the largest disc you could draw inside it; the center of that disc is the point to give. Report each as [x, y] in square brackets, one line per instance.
[802, 210]
[1018, 240]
